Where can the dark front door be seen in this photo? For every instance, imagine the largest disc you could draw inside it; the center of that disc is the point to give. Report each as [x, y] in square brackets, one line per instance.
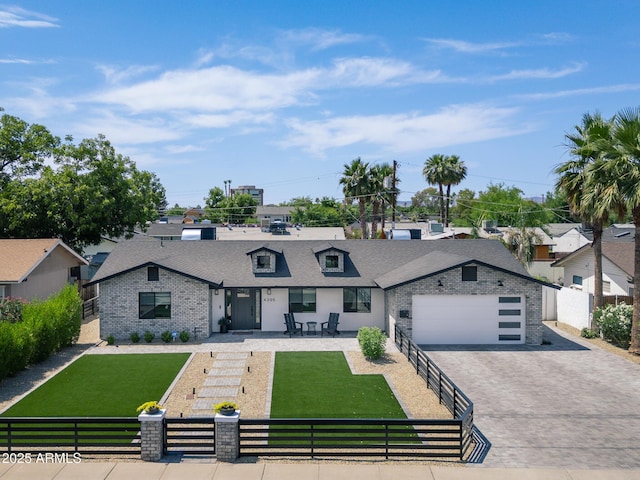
[244, 315]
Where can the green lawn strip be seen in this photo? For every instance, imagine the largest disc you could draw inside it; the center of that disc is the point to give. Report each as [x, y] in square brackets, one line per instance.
[321, 385]
[101, 386]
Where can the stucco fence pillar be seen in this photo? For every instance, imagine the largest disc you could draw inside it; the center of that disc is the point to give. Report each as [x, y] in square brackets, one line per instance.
[152, 435]
[227, 437]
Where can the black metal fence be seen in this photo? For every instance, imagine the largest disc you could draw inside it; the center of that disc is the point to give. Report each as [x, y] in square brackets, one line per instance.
[90, 307]
[195, 436]
[347, 437]
[448, 393]
[91, 436]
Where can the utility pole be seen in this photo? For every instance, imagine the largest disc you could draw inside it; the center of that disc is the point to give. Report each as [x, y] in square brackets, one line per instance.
[394, 194]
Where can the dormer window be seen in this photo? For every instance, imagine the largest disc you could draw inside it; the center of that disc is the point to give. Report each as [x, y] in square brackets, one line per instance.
[331, 261]
[263, 262]
[263, 259]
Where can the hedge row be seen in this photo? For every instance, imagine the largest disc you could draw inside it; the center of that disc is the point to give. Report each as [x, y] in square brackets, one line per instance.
[46, 327]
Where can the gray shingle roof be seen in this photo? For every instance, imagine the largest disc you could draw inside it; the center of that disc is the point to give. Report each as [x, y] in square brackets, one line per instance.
[227, 263]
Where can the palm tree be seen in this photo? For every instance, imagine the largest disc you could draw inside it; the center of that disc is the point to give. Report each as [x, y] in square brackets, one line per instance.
[434, 171]
[355, 186]
[380, 195]
[621, 171]
[444, 170]
[457, 173]
[582, 188]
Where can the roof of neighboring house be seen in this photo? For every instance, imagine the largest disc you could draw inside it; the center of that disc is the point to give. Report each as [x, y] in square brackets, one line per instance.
[620, 254]
[274, 210]
[19, 257]
[559, 229]
[247, 232]
[542, 237]
[226, 263]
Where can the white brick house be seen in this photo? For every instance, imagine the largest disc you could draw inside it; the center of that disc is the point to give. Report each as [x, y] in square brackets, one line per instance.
[467, 291]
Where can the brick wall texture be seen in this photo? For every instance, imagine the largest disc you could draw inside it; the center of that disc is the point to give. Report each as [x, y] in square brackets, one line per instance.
[119, 309]
[400, 298]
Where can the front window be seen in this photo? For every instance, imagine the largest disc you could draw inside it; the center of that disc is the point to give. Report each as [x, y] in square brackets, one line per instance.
[302, 300]
[356, 300]
[577, 280]
[154, 305]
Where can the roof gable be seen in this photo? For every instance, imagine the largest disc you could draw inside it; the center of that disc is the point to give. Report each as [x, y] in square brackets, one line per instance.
[20, 257]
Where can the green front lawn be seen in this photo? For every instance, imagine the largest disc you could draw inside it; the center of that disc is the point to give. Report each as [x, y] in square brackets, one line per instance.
[320, 385]
[102, 386]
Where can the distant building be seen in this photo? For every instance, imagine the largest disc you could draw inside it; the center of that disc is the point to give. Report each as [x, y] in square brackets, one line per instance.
[256, 193]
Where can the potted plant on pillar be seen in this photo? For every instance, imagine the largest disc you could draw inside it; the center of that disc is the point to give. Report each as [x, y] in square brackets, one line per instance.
[150, 408]
[225, 408]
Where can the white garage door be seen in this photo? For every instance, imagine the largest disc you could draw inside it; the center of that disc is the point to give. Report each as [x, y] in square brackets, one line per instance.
[468, 319]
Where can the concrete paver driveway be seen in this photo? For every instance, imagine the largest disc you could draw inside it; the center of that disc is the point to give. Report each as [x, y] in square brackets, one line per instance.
[567, 404]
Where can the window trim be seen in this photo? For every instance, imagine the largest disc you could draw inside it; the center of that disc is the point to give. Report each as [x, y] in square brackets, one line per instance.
[361, 305]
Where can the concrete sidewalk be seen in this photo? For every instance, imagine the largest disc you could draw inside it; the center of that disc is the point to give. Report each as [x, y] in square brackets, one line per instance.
[302, 471]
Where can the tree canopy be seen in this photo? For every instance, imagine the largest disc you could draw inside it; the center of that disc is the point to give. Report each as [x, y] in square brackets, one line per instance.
[85, 191]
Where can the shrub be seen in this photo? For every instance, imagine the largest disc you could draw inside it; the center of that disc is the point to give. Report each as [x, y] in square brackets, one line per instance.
[135, 337]
[372, 342]
[184, 336]
[148, 336]
[589, 333]
[46, 327]
[166, 336]
[111, 340]
[614, 322]
[11, 309]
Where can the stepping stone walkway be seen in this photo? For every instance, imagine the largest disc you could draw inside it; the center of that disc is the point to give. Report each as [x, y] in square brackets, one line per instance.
[222, 383]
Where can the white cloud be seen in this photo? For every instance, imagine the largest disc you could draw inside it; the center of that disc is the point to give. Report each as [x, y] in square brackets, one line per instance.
[227, 88]
[117, 75]
[320, 39]
[541, 73]
[125, 131]
[227, 119]
[469, 47]
[625, 87]
[406, 132]
[19, 17]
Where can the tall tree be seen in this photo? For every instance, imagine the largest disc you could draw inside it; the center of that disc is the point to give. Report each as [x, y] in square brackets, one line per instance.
[355, 186]
[434, 171]
[93, 192]
[620, 171]
[444, 170]
[23, 148]
[586, 146]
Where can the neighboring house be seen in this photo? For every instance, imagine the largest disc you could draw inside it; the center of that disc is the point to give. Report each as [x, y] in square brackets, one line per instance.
[457, 292]
[256, 193]
[575, 299]
[170, 231]
[617, 268]
[37, 268]
[273, 213]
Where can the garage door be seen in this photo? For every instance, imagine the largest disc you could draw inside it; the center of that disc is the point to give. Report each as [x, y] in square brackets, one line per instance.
[468, 319]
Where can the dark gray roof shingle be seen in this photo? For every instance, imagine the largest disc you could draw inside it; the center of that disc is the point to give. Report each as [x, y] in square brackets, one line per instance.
[387, 261]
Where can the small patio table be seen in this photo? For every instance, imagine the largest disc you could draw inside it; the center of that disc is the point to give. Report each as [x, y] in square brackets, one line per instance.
[311, 328]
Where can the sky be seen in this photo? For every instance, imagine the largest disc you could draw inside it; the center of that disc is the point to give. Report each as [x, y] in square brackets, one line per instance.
[281, 94]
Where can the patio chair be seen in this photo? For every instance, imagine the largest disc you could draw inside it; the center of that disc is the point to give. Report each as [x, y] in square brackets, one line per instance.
[292, 325]
[331, 325]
